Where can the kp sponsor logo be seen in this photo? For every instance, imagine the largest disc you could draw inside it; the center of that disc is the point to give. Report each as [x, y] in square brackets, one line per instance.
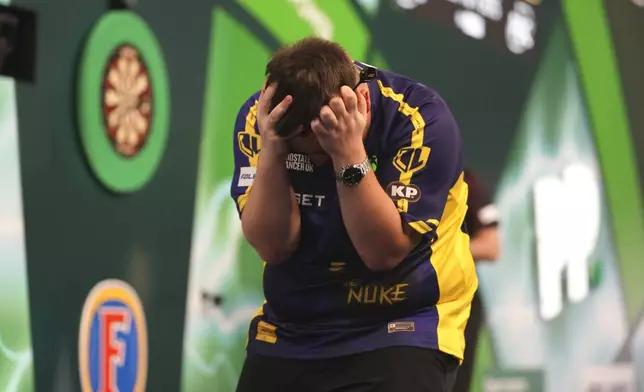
[112, 344]
[398, 190]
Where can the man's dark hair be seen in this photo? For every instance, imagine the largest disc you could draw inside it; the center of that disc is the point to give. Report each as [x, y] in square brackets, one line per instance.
[311, 70]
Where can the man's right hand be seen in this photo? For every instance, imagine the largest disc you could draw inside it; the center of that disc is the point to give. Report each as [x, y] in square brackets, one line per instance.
[267, 119]
[274, 232]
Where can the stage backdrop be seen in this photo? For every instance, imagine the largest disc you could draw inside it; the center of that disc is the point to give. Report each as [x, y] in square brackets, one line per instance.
[16, 355]
[116, 160]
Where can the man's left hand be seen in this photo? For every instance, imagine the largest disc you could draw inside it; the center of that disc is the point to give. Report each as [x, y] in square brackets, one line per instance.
[341, 126]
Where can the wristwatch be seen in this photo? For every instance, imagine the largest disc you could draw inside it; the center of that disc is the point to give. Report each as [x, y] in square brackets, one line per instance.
[351, 175]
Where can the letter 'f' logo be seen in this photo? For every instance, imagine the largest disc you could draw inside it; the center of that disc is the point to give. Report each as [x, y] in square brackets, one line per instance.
[113, 340]
[112, 321]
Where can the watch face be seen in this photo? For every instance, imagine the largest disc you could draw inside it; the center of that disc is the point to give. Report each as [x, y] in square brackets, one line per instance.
[352, 176]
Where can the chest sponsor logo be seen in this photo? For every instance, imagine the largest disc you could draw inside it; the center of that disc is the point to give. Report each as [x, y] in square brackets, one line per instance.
[246, 176]
[309, 200]
[375, 294]
[397, 191]
[299, 162]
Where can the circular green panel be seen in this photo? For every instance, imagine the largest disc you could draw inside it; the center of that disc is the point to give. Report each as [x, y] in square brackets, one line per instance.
[117, 172]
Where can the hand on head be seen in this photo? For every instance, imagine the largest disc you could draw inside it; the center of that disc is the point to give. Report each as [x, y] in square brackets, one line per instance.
[267, 120]
[339, 127]
[341, 124]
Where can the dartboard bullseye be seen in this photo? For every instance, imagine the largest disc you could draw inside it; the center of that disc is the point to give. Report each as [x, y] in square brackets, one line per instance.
[127, 100]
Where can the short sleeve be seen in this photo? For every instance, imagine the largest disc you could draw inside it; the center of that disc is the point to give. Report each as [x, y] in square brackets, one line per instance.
[422, 163]
[246, 147]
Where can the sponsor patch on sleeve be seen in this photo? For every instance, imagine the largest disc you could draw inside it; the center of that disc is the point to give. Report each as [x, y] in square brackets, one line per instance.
[246, 176]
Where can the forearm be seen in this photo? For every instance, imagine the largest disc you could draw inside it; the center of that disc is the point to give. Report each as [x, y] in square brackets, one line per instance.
[373, 224]
[271, 218]
[485, 244]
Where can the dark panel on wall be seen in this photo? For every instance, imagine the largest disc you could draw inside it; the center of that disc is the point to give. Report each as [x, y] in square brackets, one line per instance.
[626, 20]
[77, 232]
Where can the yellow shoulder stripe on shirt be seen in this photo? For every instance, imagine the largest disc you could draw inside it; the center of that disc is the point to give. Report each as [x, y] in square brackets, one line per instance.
[251, 119]
[414, 157]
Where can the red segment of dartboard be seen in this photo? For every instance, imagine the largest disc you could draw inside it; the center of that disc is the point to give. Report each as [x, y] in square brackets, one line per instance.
[127, 101]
